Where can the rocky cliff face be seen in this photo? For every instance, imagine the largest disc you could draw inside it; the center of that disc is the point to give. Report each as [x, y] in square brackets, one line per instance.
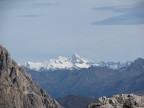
[17, 90]
[119, 101]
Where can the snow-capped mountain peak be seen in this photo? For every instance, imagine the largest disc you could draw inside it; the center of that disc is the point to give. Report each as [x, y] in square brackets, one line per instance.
[60, 63]
[77, 59]
[34, 65]
[79, 62]
[73, 62]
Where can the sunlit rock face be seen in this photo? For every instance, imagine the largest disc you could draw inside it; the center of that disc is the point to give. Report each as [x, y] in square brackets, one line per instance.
[119, 101]
[17, 90]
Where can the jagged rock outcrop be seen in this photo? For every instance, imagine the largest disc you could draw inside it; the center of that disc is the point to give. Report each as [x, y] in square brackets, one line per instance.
[119, 101]
[17, 90]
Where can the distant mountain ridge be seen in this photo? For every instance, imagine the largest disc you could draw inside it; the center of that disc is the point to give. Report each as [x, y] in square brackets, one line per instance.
[74, 62]
[94, 81]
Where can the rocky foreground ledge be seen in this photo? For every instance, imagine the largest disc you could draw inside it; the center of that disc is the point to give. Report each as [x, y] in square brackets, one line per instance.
[17, 90]
[119, 101]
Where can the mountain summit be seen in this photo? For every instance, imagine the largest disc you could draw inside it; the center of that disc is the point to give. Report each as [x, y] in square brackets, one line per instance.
[17, 90]
[77, 59]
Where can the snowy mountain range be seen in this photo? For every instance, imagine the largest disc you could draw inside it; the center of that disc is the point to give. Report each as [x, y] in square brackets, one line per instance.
[73, 62]
[101, 79]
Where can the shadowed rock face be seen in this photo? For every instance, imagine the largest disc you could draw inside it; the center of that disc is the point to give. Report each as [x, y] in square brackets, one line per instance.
[17, 90]
[119, 101]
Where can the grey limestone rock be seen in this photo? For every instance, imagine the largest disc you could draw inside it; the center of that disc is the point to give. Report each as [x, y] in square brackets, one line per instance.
[17, 90]
[119, 101]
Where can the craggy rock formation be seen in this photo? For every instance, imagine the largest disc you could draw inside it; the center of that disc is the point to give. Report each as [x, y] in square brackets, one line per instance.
[119, 101]
[17, 90]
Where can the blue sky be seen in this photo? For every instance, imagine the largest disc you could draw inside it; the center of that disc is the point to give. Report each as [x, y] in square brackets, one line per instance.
[37, 30]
